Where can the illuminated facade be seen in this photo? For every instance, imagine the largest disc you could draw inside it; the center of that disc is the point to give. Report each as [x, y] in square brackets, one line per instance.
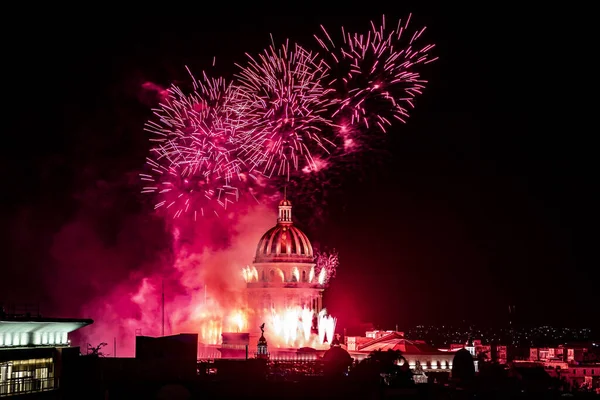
[284, 289]
[32, 350]
[417, 353]
[284, 268]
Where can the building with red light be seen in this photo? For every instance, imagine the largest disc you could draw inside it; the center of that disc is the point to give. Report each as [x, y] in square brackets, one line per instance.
[283, 287]
[284, 293]
[285, 268]
[568, 353]
[417, 353]
[235, 345]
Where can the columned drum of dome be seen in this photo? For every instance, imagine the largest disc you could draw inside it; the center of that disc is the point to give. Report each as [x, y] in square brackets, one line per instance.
[285, 268]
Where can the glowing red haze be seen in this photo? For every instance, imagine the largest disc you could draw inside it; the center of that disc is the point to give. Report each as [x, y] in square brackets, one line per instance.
[201, 267]
[230, 143]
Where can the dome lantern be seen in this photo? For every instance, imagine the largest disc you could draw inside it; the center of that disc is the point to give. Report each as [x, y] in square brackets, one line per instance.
[285, 211]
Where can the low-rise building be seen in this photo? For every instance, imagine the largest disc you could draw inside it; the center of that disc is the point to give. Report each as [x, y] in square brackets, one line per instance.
[33, 351]
[417, 353]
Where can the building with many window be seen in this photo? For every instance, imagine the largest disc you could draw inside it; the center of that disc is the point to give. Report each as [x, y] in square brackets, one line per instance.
[33, 351]
[417, 353]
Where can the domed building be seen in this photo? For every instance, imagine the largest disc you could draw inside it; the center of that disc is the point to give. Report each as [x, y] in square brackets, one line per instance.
[284, 294]
[285, 268]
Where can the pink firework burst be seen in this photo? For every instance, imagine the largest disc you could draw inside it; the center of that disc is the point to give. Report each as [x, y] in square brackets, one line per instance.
[180, 193]
[195, 162]
[287, 108]
[376, 75]
[327, 262]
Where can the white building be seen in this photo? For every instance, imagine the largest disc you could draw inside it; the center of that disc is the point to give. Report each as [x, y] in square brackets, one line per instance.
[31, 350]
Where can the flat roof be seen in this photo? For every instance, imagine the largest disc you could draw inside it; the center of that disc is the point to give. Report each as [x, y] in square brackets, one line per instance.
[22, 318]
[11, 324]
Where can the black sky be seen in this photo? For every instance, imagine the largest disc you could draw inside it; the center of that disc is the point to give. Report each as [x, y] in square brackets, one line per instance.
[480, 202]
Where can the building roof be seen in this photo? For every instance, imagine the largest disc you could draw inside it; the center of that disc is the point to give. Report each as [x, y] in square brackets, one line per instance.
[337, 355]
[284, 242]
[11, 324]
[396, 341]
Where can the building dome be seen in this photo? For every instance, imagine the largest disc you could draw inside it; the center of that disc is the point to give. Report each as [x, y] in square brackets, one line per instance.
[337, 361]
[284, 242]
[336, 354]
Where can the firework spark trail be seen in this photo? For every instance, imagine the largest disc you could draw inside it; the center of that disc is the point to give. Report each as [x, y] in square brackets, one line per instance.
[287, 108]
[326, 265]
[288, 115]
[375, 74]
[197, 147]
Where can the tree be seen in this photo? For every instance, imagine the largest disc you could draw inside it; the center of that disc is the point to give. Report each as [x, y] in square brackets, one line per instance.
[463, 367]
[389, 366]
[96, 351]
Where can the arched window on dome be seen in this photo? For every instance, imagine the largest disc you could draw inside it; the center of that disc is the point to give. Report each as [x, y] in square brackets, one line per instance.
[303, 276]
[271, 275]
[263, 278]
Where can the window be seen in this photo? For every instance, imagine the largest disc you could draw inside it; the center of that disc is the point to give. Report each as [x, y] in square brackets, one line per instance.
[271, 275]
[25, 376]
[303, 276]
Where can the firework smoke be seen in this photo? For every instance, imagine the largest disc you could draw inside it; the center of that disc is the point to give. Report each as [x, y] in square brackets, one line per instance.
[226, 147]
[203, 289]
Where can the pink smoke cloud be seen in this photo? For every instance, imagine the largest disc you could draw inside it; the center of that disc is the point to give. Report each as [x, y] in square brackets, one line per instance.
[153, 93]
[202, 263]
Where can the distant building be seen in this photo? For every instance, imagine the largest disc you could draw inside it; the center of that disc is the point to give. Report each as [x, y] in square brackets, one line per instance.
[574, 363]
[417, 353]
[235, 345]
[576, 376]
[33, 351]
[501, 354]
[566, 353]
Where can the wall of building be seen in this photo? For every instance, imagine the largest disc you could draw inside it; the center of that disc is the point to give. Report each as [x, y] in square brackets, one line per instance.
[32, 370]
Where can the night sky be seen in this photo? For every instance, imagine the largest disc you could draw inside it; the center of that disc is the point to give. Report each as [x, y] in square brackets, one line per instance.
[480, 201]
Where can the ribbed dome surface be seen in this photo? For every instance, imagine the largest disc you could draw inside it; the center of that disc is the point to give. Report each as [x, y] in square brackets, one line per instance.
[284, 242]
